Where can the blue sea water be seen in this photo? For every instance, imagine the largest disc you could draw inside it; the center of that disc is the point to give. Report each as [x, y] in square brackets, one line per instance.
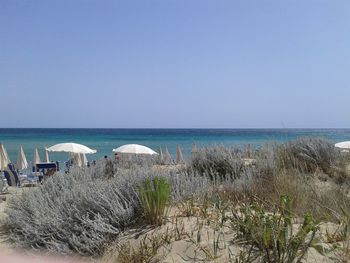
[104, 140]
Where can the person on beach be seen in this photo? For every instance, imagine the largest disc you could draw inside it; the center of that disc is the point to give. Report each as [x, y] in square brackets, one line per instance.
[109, 167]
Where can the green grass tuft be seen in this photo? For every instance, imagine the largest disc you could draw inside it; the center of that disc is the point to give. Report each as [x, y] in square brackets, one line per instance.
[154, 195]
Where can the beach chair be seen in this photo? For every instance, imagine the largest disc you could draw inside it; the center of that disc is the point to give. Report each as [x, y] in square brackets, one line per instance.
[45, 170]
[10, 178]
[11, 168]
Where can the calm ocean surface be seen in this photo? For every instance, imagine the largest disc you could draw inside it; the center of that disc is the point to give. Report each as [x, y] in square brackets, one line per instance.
[104, 140]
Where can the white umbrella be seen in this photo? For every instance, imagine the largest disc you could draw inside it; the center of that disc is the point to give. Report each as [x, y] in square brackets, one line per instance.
[194, 150]
[21, 160]
[70, 147]
[4, 158]
[179, 157]
[134, 149]
[36, 157]
[76, 159]
[166, 156]
[46, 156]
[83, 159]
[160, 154]
[343, 145]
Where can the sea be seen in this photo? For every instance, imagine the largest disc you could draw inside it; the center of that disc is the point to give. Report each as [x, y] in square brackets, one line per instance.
[104, 140]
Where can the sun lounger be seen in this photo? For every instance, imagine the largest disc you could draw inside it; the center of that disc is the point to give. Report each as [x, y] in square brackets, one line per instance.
[11, 180]
[11, 169]
[45, 169]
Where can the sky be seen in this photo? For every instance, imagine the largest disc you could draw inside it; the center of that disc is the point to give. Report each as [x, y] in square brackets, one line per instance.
[175, 63]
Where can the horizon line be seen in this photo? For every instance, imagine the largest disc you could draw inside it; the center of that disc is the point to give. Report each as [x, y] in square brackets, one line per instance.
[182, 128]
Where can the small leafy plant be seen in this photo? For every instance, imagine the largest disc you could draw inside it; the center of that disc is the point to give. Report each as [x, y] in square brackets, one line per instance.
[154, 196]
[272, 236]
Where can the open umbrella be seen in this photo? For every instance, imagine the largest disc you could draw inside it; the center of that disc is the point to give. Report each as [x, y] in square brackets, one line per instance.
[76, 157]
[343, 145]
[70, 147]
[4, 158]
[21, 160]
[36, 157]
[134, 149]
[179, 157]
[83, 159]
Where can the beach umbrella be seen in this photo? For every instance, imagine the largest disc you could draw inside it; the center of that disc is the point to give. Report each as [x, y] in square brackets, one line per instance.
[4, 158]
[134, 149]
[166, 156]
[46, 156]
[36, 157]
[194, 150]
[343, 145]
[83, 159]
[76, 158]
[160, 154]
[179, 157]
[70, 147]
[21, 159]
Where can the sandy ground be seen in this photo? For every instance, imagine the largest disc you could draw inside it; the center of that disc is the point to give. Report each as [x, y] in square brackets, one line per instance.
[196, 240]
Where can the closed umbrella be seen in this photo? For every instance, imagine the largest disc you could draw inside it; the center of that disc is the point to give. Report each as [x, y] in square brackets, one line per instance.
[179, 157]
[46, 156]
[160, 154]
[4, 158]
[194, 150]
[36, 157]
[134, 149]
[166, 156]
[70, 147]
[21, 160]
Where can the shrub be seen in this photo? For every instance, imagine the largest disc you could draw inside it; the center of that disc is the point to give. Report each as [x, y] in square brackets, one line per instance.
[219, 162]
[81, 212]
[154, 196]
[72, 213]
[310, 154]
[271, 236]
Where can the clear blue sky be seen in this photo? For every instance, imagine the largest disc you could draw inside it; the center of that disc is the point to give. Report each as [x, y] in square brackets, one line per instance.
[175, 63]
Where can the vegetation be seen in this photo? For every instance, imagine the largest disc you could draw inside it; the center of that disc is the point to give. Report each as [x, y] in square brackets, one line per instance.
[310, 155]
[222, 188]
[270, 236]
[154, 196]
[83, 212]
[146, 251]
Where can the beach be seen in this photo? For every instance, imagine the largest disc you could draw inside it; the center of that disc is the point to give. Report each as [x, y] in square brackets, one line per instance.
[177, 249]
[225, 204]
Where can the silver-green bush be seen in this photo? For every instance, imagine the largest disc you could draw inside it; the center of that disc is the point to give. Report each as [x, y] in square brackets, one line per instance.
[81, 212]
